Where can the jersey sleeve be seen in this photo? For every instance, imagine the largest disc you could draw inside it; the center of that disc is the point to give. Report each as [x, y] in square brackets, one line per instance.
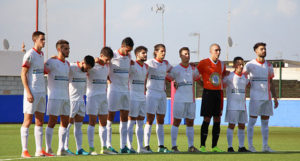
[27, 60]
[172, 74]
[200, 67]
[246, 69]
[270, 71]
[48, 66]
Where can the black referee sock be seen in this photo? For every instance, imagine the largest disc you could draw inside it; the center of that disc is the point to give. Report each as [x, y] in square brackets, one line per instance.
[204, 132]
[216, 133]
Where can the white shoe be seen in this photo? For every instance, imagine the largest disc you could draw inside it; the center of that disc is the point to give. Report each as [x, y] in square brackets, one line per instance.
[143, 150]
[63, 153]
[266, 148]
[252, 149]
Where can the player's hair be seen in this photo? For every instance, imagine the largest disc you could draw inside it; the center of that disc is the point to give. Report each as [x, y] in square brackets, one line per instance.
[89, 60]
[157, 47]
[36, 34]
[139, 49]
[183, 48]
[128, 42]
[258, 45]
[236, 59]
[106, 51]
[61, 42]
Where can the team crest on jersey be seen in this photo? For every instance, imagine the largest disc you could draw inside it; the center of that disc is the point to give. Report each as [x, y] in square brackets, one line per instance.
[215, 79]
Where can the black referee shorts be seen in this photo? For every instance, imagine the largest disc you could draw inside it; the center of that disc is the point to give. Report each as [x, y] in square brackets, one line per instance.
[212, 103]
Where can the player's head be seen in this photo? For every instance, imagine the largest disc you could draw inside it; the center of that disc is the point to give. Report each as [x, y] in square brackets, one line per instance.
[184, 54]
[62, 46]
[126, 46]
[215, 51]
[38, 38]
[106, 55]
[88, 63]
[260, 49]
[159, 51]
[141, 53]
[238, 64]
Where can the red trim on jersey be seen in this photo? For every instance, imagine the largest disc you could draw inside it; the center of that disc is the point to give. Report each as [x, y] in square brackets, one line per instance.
[39, 52]
[238, 74]
[159, 61]
[259, 61]
[102, 64]
[184, 66]
[140, 64]
[61, 60]
[269, 90]
[25, 65]
[121, 53]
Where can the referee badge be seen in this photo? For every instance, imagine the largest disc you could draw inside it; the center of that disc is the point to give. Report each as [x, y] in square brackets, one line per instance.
[215, 79]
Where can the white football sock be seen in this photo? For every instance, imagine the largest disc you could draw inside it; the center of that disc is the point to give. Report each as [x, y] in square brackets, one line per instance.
[229, 137]
[147, 134]
[61, 137]
[24, 137]
[241, 137]
[67, 136]
[38, 134]
[48, 137]
[91, 133]
[250, 130]
[174, 133]
[103, 135]
[109, 131]
[190, 135]
[78, 135]
[130, 133]
[265, 131]
[123, 134]
[139, 133]
[160, 134]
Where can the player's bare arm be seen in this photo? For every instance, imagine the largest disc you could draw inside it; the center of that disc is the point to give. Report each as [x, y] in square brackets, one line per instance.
[25, 84]
[272, 87]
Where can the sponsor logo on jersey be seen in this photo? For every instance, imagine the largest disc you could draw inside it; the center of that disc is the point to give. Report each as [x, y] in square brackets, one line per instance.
[238, 90]
[61, 78]
[156, 77]
[259, 79]
[78, 80]
[215, 79]
[38, 71]
[188, 83]
[138, 82]
[120, 70]
[99, 81]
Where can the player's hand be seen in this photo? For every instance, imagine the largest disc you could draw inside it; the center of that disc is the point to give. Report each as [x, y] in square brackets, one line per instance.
[30, 98]
[227, 73]
[276, 103]
[175, 85]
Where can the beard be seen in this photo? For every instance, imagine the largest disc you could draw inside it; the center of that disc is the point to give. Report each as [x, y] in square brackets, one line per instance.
[82, 69]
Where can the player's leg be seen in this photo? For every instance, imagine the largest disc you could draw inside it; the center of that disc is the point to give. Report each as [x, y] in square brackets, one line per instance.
[139, 131]
[253, 107]
[265, 133]
[147, 131]
[216, 133]
[74, 108]
[24, 134]
[174, 134]
[241, 137]
[206, 114]
[49, 133]
[131, 122]
[103, 133]
[160, 119]
[62, 133]
[123, 131]
[190, 135]
[78, 119]
[229, 135]
[91, 133]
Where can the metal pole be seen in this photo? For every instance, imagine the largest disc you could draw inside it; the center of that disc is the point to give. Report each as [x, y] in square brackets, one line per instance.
[37, 16]
[46, 17]
[198, 54]
[104, 23]
[228, 32]
[162, 24]
[280, 78]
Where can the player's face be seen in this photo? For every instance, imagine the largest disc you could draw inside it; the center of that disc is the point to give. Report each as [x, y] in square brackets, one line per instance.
[142, 55]
[65, 50]
[105, 59]
[215, 52]
[239, 66]
[85, 67]
[185, 56]
[261, 51]
[160, 53]
[126, 50]
[40, 41]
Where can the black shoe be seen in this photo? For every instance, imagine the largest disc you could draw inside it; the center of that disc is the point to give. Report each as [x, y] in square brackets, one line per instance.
[230, 149]
[243, 149]
[148, 148]
[175, 149]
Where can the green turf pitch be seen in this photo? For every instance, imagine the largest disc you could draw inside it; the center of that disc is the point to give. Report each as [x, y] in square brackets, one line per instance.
[286, 141]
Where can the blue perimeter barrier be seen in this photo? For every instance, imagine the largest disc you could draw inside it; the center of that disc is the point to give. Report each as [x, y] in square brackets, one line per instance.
[285, 116]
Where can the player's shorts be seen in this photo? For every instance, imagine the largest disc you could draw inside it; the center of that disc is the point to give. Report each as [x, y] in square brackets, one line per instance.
[156, 103]
[77, 108]
[118, 101]
[212, 103]
[97, 105]
[58, 107]
[137, 108]
[260, 108]
[236, 116]
[38, 104]
[184, 110]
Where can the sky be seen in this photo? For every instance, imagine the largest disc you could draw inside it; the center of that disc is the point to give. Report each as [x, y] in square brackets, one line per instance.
[275, 22]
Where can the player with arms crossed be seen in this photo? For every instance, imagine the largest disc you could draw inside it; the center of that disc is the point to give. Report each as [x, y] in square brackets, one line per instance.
[156, 96]
[58, 96]
[34, 102]
[236, 111]
[137, 78]
[184, 105]
[97, 100]
[262, 89]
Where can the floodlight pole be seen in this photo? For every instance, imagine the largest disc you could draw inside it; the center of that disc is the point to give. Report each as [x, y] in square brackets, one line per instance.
[104, 23]
[37, 16]
[228, 31]
[198, 49]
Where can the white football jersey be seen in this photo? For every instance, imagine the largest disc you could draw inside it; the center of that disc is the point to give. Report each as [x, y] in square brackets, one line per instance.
[236, 91]
[185, 77]
[119, 72]
[77, 82]
[97, 80]
[137, 78]
[259, 75]
[34, 61]
[58, 78]
[157, 74]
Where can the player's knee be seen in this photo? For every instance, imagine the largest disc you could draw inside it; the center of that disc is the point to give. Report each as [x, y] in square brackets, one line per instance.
[189, 122]
[207, 119]
[265, 117]
[241, 126]
[176, 122]
[231, 126]
[217, 119]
